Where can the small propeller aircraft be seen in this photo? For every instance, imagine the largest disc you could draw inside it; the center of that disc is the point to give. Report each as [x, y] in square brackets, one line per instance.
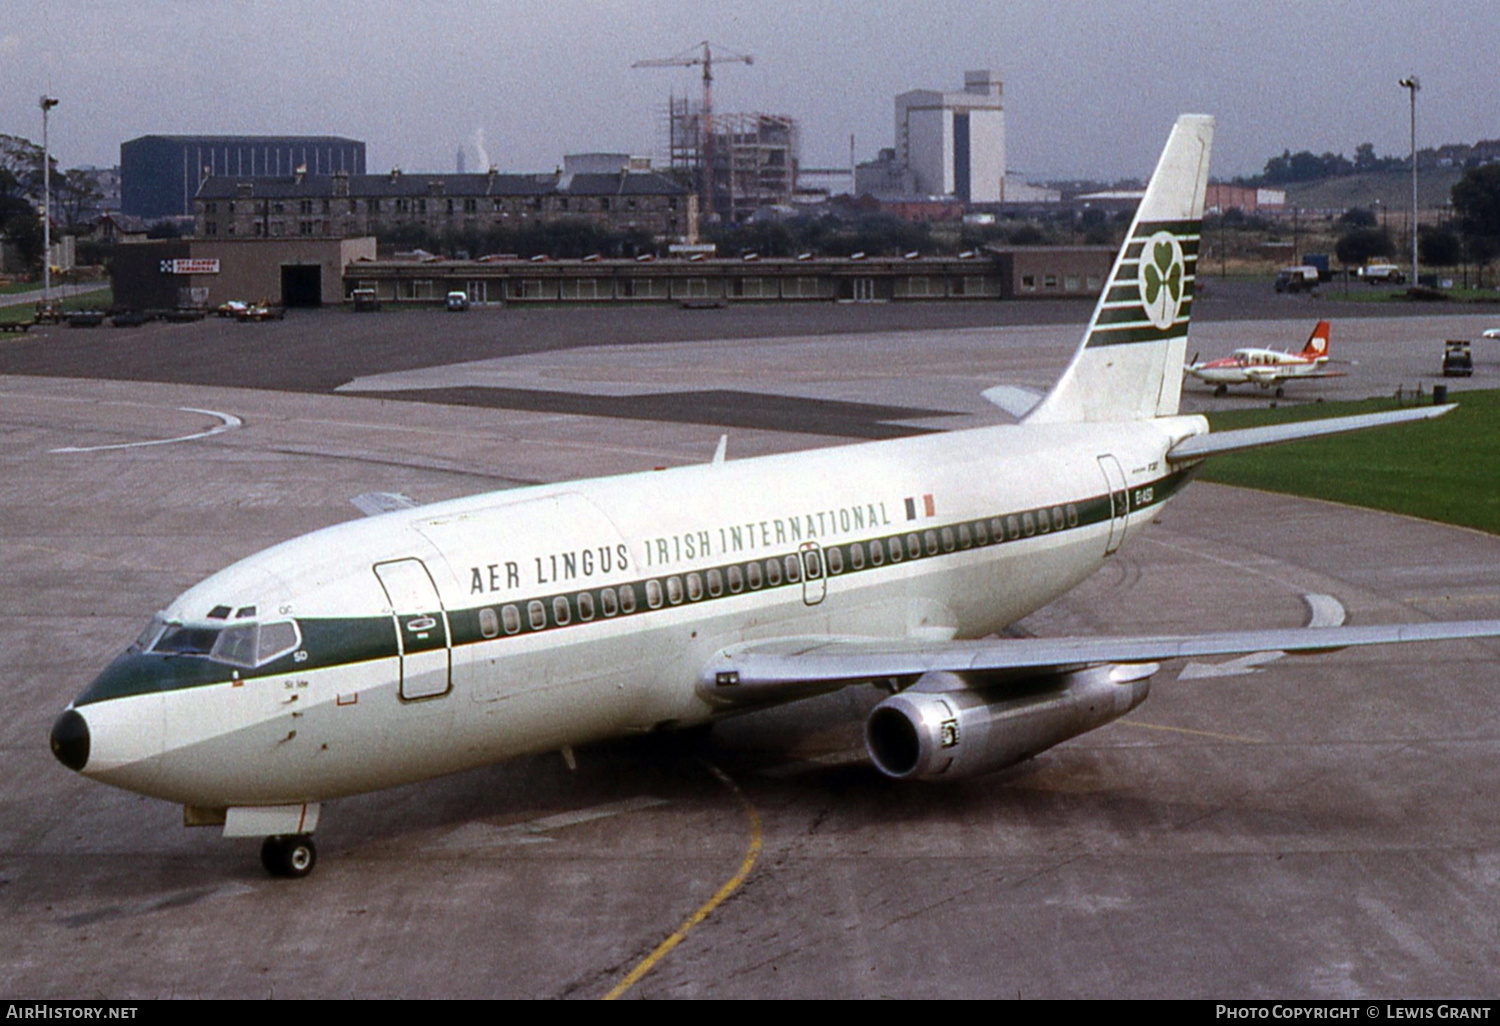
[1268, 368]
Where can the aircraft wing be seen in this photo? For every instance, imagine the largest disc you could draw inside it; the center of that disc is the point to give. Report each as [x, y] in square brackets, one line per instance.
[786, 668]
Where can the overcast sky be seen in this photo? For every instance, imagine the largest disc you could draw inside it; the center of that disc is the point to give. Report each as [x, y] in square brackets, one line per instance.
[1091, 86]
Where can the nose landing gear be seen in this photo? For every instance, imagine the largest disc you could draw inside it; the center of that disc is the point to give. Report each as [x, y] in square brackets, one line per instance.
[289, 855]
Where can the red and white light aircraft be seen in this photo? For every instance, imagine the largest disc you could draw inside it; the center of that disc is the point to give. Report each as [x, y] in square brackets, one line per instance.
[1268, 368]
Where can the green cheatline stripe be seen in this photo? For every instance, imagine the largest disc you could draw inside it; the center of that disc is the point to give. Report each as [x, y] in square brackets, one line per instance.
[343, 641]
[1113, 318]
[1127, 335]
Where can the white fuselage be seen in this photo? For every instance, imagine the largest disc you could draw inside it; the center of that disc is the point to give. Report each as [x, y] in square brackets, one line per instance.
[466, 632]
[1256, 366]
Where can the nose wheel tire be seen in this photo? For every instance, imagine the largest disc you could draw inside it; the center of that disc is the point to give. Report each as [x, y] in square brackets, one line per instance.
[291, 856]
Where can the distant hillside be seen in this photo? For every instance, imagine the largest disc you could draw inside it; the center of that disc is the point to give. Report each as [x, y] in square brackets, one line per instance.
[1391, 188]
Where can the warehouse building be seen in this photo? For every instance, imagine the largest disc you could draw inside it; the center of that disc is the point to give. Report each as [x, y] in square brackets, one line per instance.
[160, 174]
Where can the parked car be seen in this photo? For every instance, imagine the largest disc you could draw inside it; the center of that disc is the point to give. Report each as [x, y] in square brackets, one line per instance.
[1299, 278]
[457, 302]
[1458, 362]
[1381, 274]
[261, 312]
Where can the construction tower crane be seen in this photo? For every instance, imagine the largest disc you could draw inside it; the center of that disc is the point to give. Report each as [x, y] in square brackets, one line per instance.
[688, 59]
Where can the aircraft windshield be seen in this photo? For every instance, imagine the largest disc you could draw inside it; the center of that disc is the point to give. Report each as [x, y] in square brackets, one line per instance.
[244, 644]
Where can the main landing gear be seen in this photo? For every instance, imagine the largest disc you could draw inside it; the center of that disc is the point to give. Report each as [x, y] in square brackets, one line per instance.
[289, 855]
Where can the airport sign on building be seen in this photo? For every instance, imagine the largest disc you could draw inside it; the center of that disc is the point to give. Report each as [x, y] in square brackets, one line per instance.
[193, 265]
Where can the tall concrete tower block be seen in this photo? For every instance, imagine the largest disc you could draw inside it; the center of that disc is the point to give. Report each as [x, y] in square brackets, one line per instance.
[954, 143]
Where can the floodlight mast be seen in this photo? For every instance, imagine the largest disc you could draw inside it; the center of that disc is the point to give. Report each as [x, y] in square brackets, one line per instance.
[1412, 84]
[46, 103]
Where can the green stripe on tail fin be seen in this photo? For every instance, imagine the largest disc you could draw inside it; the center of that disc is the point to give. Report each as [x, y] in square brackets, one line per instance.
[1129, 364]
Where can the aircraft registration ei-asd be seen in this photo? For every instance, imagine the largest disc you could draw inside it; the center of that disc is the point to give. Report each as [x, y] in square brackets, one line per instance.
[1267, 368]
[428, 640]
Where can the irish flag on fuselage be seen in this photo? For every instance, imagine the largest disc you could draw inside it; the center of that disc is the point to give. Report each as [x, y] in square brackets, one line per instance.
[1129, 364]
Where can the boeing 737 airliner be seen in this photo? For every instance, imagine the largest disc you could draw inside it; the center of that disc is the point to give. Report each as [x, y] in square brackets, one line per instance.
[427, 640]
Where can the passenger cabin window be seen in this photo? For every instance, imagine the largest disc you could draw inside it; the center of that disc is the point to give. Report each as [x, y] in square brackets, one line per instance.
[537, 614]
[653, 593]
[489, 622]
[773, 572]
[694, 586]
[627, 598]
[585, 605]
[609, 602]
[510, 617]
[674, 590]
[736, 578]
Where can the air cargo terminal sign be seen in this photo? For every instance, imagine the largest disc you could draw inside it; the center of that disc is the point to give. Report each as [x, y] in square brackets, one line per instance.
[194, 265]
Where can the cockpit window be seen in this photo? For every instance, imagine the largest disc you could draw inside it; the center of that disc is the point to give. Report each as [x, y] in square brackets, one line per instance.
[244, 644]
[180, 640]
[276, 640]
[149, 635]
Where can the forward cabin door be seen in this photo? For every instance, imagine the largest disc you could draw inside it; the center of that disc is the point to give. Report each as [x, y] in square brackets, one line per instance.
[1119, 501]
[424, 641]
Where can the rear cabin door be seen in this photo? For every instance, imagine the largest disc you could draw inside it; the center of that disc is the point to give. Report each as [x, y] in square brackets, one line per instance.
[1119, 501]
[422, 634]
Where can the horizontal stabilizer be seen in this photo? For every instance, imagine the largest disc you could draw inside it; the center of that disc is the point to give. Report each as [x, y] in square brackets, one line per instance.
[1199, 446]
[1013, 399]
[758, 671]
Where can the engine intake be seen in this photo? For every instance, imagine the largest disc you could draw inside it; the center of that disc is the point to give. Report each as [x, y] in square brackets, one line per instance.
[944, 727]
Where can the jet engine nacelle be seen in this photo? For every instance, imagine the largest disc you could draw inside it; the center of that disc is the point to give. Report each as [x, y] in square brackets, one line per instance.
[944, 727]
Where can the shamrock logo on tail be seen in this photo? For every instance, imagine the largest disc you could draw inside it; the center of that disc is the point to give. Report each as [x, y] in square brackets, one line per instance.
[1161, 279]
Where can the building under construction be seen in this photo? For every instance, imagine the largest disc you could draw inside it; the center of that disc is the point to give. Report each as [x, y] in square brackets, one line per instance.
[739, 163]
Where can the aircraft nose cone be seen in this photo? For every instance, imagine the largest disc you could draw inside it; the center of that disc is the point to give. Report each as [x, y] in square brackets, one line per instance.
[70, 740]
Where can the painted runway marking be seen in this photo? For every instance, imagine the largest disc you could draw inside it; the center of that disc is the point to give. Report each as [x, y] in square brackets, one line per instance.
[752, 852]
[1322, 611]
[227, 422]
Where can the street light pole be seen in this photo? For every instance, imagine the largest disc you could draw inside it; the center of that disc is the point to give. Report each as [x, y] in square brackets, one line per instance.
[46, 103]
[1411, 84]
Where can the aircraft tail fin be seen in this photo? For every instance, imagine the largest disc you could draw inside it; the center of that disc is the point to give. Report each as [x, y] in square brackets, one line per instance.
[1129, 364]
[1317, 342]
